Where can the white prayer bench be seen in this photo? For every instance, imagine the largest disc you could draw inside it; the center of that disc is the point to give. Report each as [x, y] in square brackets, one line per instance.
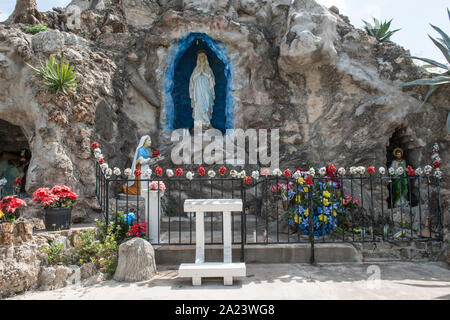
[201, 269]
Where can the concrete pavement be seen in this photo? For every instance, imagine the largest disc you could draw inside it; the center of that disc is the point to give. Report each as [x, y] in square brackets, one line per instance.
[381, 280]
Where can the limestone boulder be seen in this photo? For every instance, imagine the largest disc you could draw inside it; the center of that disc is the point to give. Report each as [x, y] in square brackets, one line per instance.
[136, 261]
[48, 42]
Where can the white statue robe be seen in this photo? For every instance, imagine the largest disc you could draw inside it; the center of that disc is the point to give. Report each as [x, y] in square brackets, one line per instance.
[201, 92]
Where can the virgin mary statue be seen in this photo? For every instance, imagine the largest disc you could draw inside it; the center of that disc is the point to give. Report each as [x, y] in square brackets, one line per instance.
[201, 91]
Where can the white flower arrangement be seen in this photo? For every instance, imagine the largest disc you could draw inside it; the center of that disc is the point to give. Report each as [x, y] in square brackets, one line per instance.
[242, 174]
[428, 169]
[419, 171]
[312, 172]
[255, 174]
[169, 173]
[108, 173]
[341, 171]
[361, 170]
[391, 171]
[352, 170]
[98, 156]
[189, 175]
[3, 182]
[382, 170]
[438, 173]
[322, 171]
[435, 148]
[277, 172]
[127, 172]
[117, 171]
[148, 173]
[97, 151]
[400, 171]
[297, 175]
[233, 173]
[211, 173]
[104, 166]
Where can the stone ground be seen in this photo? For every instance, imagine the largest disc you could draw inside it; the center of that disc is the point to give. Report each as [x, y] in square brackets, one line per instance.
[398, 280]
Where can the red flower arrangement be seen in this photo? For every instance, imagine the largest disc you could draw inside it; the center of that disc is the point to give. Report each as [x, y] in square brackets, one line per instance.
[56, 197]
[100, 161]
[248, 180]
[156, 153]
[201, 171]
[331, 168]
[370, 170]
[17, 181]
[137, 173]
[94, 145]
[410, 171]
[287, 173]
[436, 164]
[159, 171]
[10, 204]
[137, 230]
[179, 172]
[222, 170]
[309, 181]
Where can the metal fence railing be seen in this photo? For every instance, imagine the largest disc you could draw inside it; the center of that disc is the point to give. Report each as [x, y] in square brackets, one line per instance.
[362, 208]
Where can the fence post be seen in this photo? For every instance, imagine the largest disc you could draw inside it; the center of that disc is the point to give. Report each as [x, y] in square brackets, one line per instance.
[311, 224]
[440, 218]
[243, 229]
[107, 201]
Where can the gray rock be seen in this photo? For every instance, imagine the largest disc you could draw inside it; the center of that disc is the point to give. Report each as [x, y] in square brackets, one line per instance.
[74, 275]
[88, 270]
[136, 261]
[47, 278]
[48, 42]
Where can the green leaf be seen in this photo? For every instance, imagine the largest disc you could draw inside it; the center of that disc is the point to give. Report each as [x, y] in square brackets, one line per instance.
[448, 121]
[433, 62]
[429, 81]
[442, 48]
[445, 37]
[429, 93]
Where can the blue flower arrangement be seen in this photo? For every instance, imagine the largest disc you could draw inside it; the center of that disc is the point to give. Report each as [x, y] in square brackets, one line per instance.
[129, 218]
[326, 206]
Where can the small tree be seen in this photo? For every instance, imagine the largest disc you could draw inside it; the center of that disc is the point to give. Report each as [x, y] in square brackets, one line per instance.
[26, 12]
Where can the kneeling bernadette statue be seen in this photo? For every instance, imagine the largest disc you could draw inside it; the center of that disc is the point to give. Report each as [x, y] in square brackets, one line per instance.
[142, 161]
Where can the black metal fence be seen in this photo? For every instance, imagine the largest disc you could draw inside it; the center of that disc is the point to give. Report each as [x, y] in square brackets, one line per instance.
[361, 208]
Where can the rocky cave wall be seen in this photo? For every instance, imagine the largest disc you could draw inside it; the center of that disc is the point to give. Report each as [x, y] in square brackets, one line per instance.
[332, 90]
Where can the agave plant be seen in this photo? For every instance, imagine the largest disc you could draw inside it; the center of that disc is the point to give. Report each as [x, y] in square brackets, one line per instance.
[380, 29]
[59, 76]
[444, 77]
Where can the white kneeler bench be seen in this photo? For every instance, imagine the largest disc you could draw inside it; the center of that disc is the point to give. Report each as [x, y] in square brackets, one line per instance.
[201, 269]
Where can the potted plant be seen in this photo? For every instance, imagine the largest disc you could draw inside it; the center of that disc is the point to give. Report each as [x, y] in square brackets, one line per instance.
[58, 202]
[9, 206]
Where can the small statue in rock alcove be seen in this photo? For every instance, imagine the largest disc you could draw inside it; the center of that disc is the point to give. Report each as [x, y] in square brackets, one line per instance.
[400, 183]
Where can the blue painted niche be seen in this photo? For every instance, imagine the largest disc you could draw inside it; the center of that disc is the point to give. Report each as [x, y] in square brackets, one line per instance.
[182, 61]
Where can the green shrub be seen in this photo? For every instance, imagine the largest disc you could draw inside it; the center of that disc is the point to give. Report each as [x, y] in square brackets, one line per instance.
[59, 76]
[99, 247]
[36, 28]
[443, 78]
[380, 29]
[54, 253]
